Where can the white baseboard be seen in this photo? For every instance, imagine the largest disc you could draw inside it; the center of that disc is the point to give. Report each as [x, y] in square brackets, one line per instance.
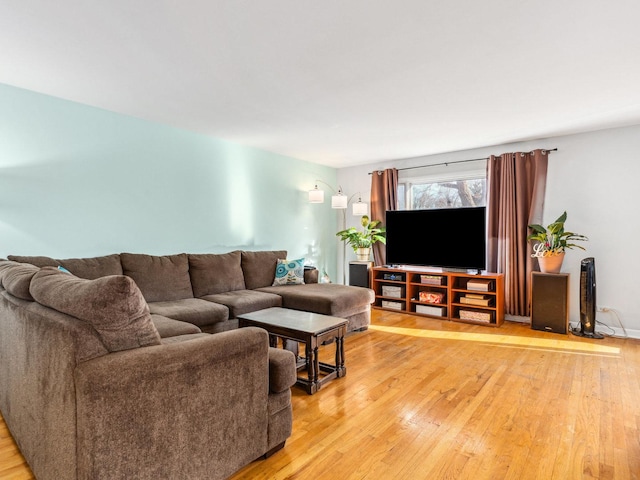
[601, 327]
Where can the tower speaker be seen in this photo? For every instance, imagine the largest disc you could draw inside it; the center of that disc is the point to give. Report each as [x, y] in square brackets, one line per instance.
[587, 300]
[550, 302]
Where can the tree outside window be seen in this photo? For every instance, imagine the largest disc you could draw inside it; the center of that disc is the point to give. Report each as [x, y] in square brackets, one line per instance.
[449, 194]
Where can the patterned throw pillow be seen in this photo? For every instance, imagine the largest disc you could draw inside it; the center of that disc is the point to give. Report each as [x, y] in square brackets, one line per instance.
[289, 272]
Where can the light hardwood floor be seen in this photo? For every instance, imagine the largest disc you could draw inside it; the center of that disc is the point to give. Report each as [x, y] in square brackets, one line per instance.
[429, 399]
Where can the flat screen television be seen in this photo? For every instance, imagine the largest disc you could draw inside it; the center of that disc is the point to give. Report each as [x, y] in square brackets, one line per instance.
[449, 238]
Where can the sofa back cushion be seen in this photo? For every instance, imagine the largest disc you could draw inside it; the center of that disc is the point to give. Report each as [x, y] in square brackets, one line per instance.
[92, 268]
[38, 261]
[16, 278]
[160, 278]
[112, 305]
[259, 268]
[89, 268]
[215, 273]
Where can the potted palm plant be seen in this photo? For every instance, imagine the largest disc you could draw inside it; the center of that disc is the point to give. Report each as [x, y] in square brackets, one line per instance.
[362, 240]
[552, 243]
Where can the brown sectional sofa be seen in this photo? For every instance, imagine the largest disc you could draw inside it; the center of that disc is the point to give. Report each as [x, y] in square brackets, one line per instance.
[211, 290]
[110, 372]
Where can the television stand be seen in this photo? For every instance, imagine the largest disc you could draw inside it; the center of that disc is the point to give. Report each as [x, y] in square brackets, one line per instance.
[457, 296]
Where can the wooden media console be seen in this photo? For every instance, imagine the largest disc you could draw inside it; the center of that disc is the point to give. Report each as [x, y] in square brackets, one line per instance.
[460, 297]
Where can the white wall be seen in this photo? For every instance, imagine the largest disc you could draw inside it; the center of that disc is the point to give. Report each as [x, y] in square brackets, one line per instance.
[595, 177]
[77, 181]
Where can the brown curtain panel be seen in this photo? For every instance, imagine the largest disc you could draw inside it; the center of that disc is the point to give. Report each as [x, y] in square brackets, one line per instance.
[515, 189]
[384, 196]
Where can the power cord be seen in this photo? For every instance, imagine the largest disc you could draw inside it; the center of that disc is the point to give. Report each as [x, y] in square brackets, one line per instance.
[617, 315]
[611, 331]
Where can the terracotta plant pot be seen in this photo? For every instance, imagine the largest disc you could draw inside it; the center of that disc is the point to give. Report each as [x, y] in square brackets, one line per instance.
[551, 264]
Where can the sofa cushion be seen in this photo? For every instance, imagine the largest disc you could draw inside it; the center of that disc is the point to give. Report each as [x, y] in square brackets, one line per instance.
[160, 278]
[95, 267]
[168, 327]
[38, 261]
[191, 310]
[90, 268]
[245, 301]
[325, 298]
[113, 305]
[16, 279]
[183, 338]
[259, 268]
[215, 273]
[289, 272]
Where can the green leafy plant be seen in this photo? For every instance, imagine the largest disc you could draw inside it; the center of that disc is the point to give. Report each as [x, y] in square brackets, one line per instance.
[366, 237]
[554, 240]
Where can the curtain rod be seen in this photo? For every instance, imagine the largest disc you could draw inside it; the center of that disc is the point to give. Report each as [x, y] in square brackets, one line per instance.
[446, 164]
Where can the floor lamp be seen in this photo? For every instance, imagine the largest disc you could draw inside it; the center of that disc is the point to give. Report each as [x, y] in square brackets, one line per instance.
[340, 201]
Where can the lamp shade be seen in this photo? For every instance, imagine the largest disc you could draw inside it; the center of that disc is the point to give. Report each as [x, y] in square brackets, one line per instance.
[316, 195]
[339, 201]
[360, 208]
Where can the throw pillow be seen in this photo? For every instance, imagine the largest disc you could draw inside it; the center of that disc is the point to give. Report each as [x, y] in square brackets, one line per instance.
[289, 272]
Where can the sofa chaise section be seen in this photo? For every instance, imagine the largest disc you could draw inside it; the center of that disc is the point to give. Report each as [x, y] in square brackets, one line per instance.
[352, 303]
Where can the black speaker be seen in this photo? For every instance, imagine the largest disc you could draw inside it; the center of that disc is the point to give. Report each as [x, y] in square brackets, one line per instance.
[550, 302]
[587, 300]
[359, 273]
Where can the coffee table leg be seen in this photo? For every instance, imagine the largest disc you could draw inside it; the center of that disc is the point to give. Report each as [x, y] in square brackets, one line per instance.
[340, 368]
[313, 368]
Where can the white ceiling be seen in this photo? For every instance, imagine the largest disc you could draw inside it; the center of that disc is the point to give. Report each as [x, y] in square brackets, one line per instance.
[337, 82]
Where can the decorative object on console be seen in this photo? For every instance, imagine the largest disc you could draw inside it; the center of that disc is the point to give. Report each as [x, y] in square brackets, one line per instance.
[480, 285]
[431, 279]
[430, 310]
[362, 240]
[430, 297]
[475, 316]
[392, 291]
[473, 299]
[393, 305]
[552, 243]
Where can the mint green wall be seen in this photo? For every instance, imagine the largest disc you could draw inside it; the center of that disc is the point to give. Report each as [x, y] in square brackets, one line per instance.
[78, 181]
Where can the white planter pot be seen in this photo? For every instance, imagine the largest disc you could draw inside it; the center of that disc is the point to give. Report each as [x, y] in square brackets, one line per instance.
[362, 254]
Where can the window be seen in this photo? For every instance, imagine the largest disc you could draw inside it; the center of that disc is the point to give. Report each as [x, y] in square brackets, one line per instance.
[452, 186]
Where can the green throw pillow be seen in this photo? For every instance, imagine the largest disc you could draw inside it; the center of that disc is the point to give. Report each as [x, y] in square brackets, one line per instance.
[289, 272]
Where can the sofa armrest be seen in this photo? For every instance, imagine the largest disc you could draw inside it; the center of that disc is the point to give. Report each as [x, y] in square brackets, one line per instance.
[193, 409]
[282, 370]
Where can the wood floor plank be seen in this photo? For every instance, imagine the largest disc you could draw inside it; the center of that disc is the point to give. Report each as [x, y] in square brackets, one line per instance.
[431, 399]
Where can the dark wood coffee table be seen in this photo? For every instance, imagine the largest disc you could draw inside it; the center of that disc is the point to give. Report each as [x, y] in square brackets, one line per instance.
[312, 329]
